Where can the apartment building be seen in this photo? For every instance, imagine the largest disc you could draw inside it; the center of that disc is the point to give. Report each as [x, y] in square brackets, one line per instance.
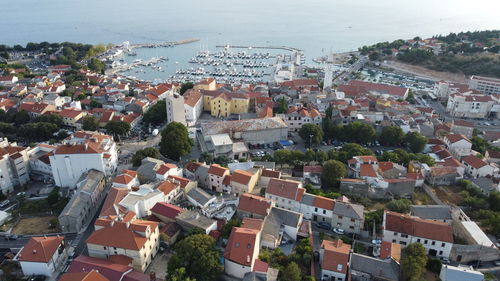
[486, 85]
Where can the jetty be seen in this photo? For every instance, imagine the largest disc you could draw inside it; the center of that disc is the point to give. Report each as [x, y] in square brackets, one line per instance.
[286, 48]
[163, 44]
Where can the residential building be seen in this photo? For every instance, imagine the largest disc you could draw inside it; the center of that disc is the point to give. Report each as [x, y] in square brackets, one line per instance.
[296, 117]
[193, 106]
[254, 206]
[141, 201]
[460, 272]
[432, 212]
[216, 174]
[42, 255]
[84, 276]
[70, 117]
[167, 169]
[475, 167]
[81, 152]
[462, 127]
[365, 268]
[486, 85]
[458, 145]
[199, 198]
[356, 88]
[208, 84]
[443, 175]
[166, 212]
[286, 193]
[137, 239]
[175, 109]
[348, 216]
[14, 165]
[39, 162]
[334, 260]
[127, 179]
[469, 105]
[243, 181]
[191, 219]
[280, 224]
[84, 203]
[242, 251]
[435, 236]
[223, 104]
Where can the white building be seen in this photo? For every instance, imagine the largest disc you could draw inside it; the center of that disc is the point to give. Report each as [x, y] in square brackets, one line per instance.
[286, 193]
[193, 106]
[486, 85]
[334, 259]
[461, 272]
[175, 108]
[435, 236]
[81, 152]
[297, 117]
[42, 255]
[459, 145]
[476, 167]
[469, 105]
[242, 251]
[141, 201]
[14, 165]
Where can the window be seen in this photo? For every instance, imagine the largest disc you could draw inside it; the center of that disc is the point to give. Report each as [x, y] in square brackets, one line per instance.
[340, 217]
[351, 227]
[315, 209]
[393, 240]
[395, 234]
[425, 241]
[442, 245]
[104, 247]
[404, 235]
[324, 211]
[339, 267]
[249, 246]
[402, 242]
[433, 243]
[353, 220]
[237, 245]
[418, 240]
[440, 253]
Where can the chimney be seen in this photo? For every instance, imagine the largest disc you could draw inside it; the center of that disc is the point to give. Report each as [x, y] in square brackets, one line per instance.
[34, 252]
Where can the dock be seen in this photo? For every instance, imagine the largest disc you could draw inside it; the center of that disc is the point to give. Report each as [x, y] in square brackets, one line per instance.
[286, 48]
[164, 44]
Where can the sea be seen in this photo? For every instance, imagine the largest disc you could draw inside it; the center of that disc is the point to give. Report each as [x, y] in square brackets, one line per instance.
[316, 26]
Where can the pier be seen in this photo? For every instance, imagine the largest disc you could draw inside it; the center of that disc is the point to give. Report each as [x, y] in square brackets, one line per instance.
[291, 49]
[164, 44]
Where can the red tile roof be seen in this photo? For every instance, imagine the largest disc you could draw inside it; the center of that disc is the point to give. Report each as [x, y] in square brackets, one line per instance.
[110, 270]
[474, 161]
[217, 170]
[115, 195]
[123, 179]
[453, 138]
[40, 249]
[252, 223]
[167, 187]
[418, 227]
[390, 250]
[167, 210]
[270, 173]
[254, 204]
[164, 168]
[313, 169]
[385, 166]
[183, 181]
[285, 188]
[83, 276]
[122, 236]
[336, 253]
[241, 177]
[366, 170]
[323, 202]
[241, 244]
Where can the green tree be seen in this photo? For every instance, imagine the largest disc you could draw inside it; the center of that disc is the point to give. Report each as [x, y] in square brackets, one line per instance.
[282, 107]
[90, 123]
[95, 104]
[434, 265]
[179, 275]
[416, 142]
[143, 153]
[51, 118]
[352, 149]
[41, 131]
[157, 114]
[413, 262]
[391, 136]
[311, 134]
[222, 160]
[228, 227]
[175, 141]
[494, 201]
[96, 65]
[374, 56]
[117, 128]
[206, 157]
[199, 258]
[282, 156]
[333, 171]
[53, 196]
[359, 132]
[400, 206]
[21, 117]
[479, 144]
[185, 86]
[291, 273]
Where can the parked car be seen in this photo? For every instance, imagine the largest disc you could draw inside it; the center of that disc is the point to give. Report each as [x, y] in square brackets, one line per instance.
[377, 242]
[497, 263]
[21, 193]
[11, 237]
[324, 225]
[445, 260]
[4, 203]
[339, 231]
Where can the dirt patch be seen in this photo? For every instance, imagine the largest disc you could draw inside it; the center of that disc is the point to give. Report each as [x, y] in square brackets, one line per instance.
[425, 72]
[37, 225]
[449, 194]
[421, 198]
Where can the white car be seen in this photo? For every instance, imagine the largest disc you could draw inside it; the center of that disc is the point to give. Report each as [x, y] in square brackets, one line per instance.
[339, 231]
[377, 242]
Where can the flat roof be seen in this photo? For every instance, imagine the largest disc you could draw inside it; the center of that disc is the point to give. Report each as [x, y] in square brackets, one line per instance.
[221, 139]
[477, 234]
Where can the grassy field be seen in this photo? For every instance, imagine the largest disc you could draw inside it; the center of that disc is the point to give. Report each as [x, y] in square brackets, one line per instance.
[37, 225]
